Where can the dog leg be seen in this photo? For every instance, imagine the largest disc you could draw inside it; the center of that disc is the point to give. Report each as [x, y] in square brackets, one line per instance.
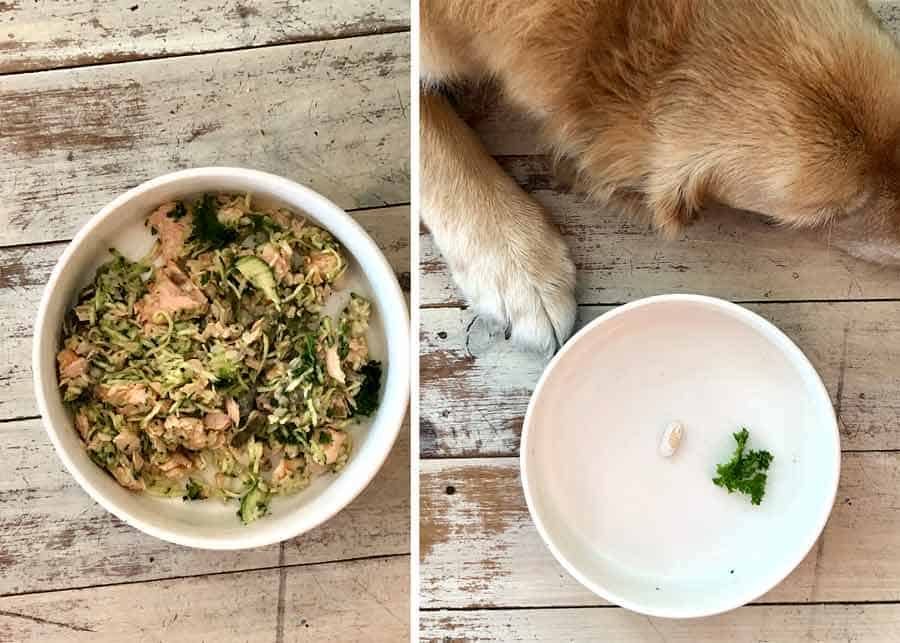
[504, 253]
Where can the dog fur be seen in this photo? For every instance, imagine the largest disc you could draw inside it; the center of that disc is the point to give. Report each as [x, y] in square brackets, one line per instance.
[790, 108]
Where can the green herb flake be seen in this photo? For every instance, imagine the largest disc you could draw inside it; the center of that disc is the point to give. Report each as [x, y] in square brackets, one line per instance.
[193, 490]
[367, 398]
[309, 359]
[207, 227]
[262, 223]
[746, 471]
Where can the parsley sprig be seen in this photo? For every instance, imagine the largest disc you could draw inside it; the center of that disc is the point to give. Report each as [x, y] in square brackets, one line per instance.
[746, 471]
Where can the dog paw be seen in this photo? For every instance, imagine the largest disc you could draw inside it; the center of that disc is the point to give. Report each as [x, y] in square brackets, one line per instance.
[526, 285]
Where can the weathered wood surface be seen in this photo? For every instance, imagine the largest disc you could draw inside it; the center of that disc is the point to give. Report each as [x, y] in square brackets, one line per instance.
[475, 386]
[25, 270]
[726, 253]
[364, 600]
[480, 549]
[332, 115]
[44, 34]
[769, 624]
[54, 536]
[486, 574]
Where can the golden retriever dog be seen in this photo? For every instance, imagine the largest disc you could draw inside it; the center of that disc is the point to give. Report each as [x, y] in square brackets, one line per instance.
[789, 108]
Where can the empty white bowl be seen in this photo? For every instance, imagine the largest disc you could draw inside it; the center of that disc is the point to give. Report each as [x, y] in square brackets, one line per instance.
[212, 524]
[654, 534]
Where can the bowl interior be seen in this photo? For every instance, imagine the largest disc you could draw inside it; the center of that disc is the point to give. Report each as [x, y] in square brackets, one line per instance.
[212, 523]
[653, 533]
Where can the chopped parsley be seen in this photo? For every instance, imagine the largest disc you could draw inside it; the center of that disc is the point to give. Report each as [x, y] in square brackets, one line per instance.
[178, 212]
[263, 223]
[746, 471]
[207, 227]
[309, 359]
[367, 398]
[193, 490]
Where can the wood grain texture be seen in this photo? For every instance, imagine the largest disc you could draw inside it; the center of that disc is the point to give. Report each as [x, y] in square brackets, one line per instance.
[475, 386]
[485, 572]
[724, 254]
[363, 600]
[331, 115]
[25, 270]
[757, 624]
[729, 254]
[54, 536]
[480, 549]
[44, 34]
[288, 91]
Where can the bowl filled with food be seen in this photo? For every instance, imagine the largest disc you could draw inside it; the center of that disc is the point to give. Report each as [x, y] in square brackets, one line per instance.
[221, 358]
[680, 456]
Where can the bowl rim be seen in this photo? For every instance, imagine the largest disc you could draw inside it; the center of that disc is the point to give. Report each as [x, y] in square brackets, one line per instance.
[788, 347]
[396, 339]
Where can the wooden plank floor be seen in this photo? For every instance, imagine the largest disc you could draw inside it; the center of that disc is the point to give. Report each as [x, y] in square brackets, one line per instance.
[485, 573]
[94, 99]
[48, 34]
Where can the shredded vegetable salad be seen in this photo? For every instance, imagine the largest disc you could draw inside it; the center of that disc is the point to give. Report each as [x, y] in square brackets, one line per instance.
[208, 369]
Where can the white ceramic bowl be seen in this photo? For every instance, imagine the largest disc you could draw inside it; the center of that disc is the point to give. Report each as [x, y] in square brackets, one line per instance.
[212, 524]
[654, 534]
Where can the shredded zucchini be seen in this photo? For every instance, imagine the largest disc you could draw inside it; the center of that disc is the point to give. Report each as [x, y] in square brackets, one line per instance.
[208, 369]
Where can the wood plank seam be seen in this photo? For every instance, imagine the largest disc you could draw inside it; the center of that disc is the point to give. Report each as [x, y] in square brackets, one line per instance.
[500, 456]
[386, 31]
[44, 621]
[826, 624]
[386, 206]
[336, 601]
[20, 419]
[860, 300]
[264, 568]
[282, 580]
[870, 450]
[52, 242]
[526, 608]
